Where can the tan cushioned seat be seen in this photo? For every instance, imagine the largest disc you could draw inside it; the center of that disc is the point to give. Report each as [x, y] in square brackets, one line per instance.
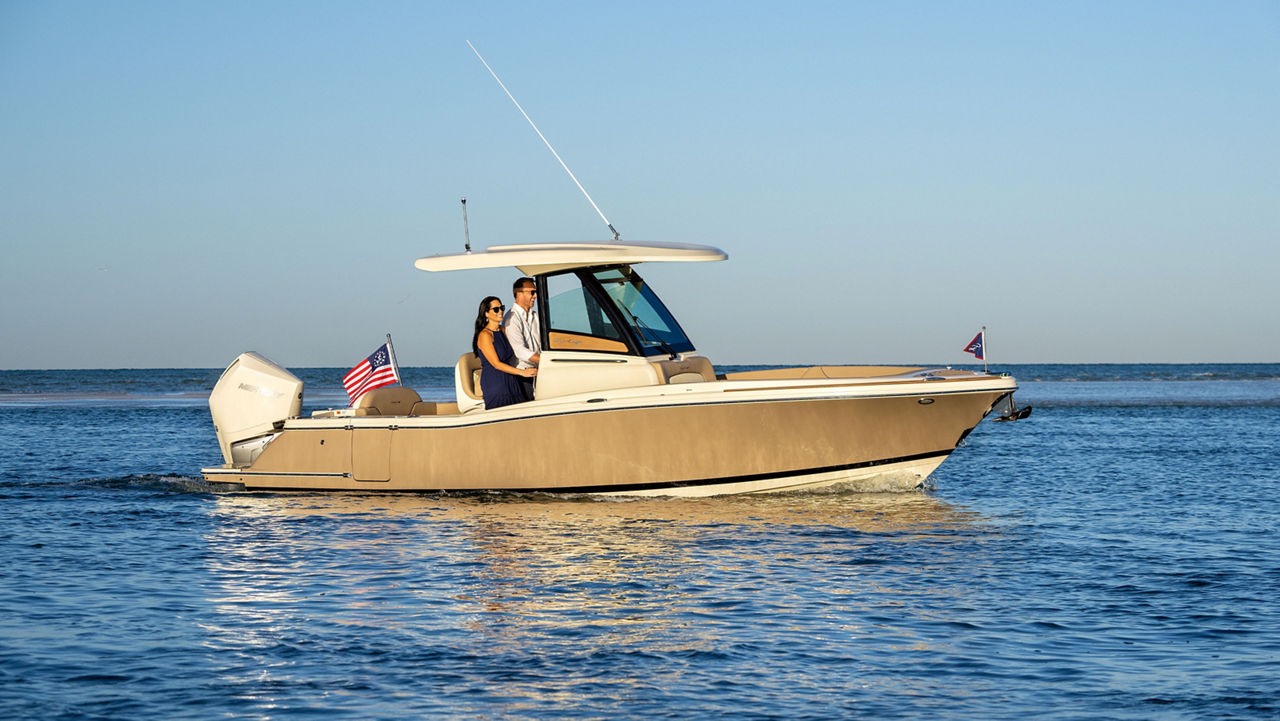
[469, 373]
[689, 370]
[389, 401]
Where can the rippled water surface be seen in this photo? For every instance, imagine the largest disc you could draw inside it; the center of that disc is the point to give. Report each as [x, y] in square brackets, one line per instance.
[1116, 555]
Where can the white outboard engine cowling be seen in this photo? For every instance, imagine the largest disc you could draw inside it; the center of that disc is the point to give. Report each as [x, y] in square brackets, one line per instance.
[250, 403]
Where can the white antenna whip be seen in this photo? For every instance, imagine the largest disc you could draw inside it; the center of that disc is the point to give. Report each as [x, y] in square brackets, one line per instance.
[544, 140]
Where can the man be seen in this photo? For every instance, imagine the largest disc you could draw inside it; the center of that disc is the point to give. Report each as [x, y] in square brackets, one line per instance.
[523, 330]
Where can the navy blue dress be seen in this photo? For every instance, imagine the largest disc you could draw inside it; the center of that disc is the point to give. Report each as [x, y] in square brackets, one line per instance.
[500, 389]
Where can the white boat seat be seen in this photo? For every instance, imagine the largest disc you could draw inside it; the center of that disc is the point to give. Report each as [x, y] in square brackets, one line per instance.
[469, 372]
[388, 401]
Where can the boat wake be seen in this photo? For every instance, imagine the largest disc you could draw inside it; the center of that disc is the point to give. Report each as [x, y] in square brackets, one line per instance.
[892, 482]
[156, 482]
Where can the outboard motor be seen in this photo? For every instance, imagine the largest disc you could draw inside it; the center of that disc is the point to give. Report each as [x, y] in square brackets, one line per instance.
[249, 404]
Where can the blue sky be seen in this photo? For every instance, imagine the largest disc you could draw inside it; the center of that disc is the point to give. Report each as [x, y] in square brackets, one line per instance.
[1093, 181]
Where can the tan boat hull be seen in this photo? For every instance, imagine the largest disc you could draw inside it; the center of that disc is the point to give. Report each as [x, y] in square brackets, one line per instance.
[702, 448]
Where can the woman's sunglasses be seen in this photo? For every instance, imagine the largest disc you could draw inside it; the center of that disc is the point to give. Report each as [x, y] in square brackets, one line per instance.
[498, 308]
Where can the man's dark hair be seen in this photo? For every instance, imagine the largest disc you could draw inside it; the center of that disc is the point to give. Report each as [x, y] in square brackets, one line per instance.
[516, 286]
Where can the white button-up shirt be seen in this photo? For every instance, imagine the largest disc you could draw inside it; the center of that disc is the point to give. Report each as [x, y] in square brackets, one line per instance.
[522, 329]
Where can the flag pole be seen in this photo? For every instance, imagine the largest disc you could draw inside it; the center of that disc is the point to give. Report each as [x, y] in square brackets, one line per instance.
[985, 353]
[394, 366]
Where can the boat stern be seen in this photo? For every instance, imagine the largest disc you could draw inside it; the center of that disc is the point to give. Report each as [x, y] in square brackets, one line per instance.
[249, 404]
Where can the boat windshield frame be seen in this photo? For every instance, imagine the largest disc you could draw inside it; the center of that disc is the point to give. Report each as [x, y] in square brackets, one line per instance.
[647, 327]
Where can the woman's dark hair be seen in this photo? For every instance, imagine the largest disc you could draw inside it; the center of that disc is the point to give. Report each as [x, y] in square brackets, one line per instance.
[482, 319]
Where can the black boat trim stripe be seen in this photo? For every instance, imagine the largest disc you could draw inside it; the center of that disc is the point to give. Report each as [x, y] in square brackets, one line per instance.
[616, 488]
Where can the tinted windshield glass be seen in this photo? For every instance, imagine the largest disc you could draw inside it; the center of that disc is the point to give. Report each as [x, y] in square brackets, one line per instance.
[650, 322]
[576, 320]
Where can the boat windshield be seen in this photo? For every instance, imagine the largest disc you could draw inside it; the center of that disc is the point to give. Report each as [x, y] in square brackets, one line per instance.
[652, 324]
[612, 310]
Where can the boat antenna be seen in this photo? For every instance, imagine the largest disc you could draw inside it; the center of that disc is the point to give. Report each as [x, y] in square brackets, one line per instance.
[466, 230]
[544, 140]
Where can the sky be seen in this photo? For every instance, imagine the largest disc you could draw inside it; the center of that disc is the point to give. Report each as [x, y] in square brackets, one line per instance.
[1092, 181]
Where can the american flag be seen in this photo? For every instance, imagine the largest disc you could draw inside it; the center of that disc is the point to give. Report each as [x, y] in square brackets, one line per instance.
[975, 345]
[373, 372]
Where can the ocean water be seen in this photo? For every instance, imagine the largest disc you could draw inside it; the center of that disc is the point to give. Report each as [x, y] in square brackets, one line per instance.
[1114, 556]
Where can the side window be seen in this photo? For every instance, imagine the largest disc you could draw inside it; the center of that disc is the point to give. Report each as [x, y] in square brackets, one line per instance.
[572, 313]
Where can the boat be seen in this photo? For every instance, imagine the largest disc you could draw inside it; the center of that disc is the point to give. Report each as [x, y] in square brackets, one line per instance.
[623, 404]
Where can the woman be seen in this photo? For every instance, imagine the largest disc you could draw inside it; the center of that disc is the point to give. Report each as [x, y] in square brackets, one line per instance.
[499, 379]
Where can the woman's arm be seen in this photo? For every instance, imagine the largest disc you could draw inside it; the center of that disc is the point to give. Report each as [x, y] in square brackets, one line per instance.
[485, 341]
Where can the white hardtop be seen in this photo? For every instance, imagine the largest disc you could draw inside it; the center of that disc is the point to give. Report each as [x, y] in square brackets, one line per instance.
[536, 258]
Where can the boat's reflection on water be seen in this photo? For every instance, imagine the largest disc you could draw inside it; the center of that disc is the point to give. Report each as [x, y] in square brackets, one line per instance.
[866, 511]
[506, 576]
[512, 540]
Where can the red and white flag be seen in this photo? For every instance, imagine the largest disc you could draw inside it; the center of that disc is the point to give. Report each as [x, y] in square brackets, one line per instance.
[376, 371]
